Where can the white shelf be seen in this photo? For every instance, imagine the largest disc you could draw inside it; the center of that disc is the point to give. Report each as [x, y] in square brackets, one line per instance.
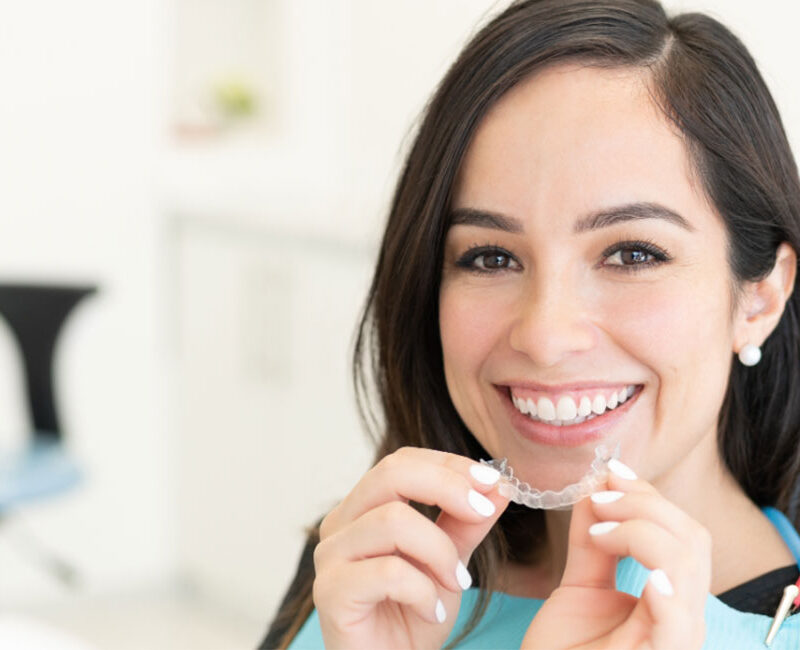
[270, 189]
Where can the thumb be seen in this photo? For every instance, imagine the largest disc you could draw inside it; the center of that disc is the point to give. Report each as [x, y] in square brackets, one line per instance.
[587, 565]
[466, 535]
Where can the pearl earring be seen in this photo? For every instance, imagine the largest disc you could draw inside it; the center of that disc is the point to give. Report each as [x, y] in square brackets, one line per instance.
[750, 355]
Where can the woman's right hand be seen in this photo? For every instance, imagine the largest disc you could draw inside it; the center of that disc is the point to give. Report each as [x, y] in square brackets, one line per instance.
[387, 576]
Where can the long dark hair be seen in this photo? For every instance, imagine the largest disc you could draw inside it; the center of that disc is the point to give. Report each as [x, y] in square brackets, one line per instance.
[707, 84]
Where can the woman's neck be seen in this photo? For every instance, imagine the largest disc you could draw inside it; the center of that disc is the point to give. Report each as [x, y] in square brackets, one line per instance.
[745, 544]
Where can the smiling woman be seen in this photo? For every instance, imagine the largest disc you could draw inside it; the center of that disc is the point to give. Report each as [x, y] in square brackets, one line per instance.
[600, 212]
[531, 297]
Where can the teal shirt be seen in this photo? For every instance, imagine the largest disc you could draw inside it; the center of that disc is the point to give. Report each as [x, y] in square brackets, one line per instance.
[507, 618]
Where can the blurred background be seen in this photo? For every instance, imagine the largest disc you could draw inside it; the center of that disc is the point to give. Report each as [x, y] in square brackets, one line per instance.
[191, 197]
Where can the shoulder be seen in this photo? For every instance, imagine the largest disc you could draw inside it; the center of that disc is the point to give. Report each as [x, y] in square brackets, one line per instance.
[507, 619]
[309, 637]
[297, 600]
[730, 629]
[503, 625]
[726, 628]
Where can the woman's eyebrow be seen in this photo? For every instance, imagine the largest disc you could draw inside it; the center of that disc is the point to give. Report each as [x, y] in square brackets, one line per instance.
[602, 218]
[485, 219]
[628, 212]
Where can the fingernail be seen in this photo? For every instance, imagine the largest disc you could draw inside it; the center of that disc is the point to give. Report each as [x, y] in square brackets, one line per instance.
[661, 582]
[462, 576]
[441, 615]
[480, 503]
[603, 527]
[621, 470]
[484, 474]
[608, 496]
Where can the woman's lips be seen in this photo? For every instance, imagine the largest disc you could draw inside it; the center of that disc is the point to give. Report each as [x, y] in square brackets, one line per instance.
[572, 435]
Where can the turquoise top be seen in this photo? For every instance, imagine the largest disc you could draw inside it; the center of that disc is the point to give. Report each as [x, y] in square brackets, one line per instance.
[507, 618]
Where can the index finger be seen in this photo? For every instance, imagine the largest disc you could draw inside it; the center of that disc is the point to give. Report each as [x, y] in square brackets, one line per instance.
[453, 483]
[466, 536]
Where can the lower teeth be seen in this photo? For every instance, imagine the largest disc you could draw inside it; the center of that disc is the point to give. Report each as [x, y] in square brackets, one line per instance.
[563, 423]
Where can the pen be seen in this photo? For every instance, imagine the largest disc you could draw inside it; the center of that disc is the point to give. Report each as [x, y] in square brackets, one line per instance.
[790, 601]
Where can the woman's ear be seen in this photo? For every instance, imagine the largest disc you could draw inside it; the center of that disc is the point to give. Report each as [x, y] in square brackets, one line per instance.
[763, 302]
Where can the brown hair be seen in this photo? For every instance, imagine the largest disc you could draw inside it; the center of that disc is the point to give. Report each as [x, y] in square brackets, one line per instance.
[708, 85]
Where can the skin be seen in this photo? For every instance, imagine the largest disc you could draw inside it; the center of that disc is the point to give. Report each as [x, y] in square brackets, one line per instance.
[556, 310]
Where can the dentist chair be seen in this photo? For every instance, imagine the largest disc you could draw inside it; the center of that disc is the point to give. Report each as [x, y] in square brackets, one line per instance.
[42, 468]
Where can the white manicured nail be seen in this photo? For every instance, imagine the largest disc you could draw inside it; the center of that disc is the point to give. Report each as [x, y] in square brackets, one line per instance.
[661, 582]
[603, 527]
[621, 470]
[480, 503]
[484, 474]
[441, 615]
[463, 576]
[608, 496]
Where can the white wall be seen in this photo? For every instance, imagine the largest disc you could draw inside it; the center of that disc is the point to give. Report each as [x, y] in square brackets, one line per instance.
[79, 124]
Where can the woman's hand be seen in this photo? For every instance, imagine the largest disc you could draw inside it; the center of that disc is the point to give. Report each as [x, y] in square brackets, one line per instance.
[388, 577]
[586, 611]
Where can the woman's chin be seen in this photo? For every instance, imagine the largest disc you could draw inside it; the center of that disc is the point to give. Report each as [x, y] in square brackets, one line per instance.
[547, 472]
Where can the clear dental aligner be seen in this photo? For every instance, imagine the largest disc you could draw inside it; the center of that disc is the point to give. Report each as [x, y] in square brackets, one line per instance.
[518, 492]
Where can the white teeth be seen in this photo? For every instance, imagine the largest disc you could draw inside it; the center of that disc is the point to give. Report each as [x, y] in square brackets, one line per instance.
[545, 409]
[599, 404]
[585, 407]
[566, 412]
[531, 406]
[566, 409]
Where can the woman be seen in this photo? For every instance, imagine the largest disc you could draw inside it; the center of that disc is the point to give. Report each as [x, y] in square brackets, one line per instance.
[600, 203]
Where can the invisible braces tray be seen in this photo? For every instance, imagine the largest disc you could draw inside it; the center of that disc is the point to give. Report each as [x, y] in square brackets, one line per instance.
[523, 493]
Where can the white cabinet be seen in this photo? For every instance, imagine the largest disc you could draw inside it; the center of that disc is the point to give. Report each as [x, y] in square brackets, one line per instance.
[268, 436]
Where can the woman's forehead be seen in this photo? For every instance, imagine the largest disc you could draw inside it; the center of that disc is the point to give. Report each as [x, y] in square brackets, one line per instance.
[572, 139]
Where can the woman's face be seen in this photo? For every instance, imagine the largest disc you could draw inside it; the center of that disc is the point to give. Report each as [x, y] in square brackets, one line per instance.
[556, 295]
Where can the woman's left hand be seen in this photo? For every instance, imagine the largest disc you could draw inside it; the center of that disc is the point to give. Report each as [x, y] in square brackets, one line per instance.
[586, 611]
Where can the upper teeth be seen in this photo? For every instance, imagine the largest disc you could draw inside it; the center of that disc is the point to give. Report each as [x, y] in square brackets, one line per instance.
[566, 411]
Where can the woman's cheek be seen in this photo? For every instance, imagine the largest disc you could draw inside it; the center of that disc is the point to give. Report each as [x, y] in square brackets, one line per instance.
[471, 326]
[678, 340]
[664, 322]
[471, 317]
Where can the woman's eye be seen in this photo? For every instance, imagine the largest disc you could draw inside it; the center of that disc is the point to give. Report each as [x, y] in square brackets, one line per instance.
[634, 255]
[487, 260]
[629, 257]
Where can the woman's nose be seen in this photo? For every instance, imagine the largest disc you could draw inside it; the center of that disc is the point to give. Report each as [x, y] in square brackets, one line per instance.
[552, 322]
